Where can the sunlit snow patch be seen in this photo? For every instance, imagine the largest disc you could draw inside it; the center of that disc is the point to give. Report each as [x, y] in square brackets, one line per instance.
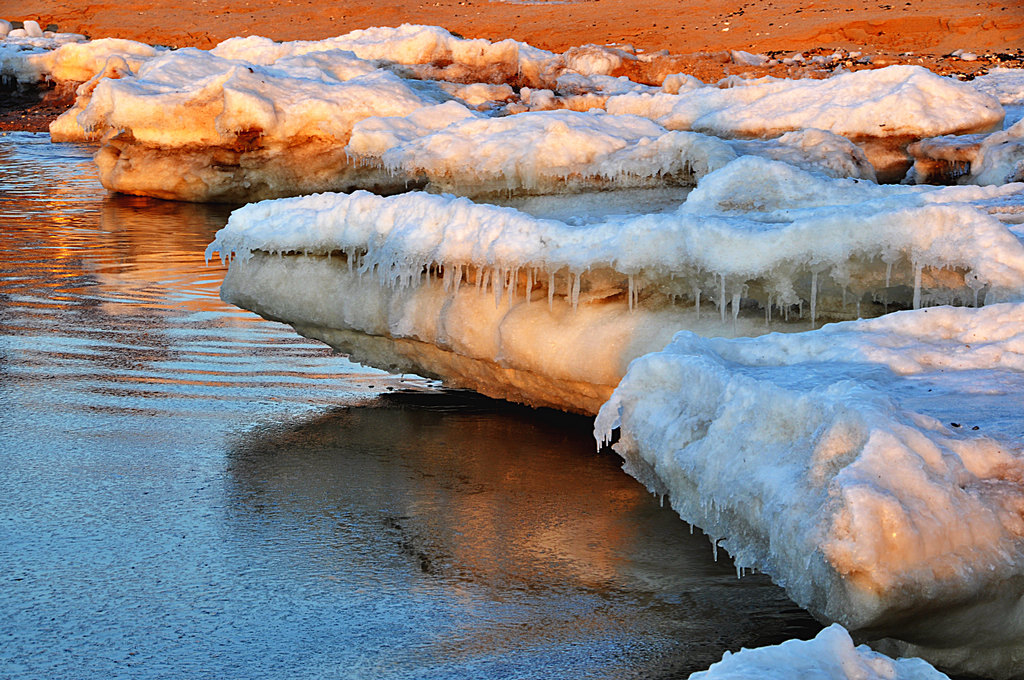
[873, 468]
[539, 311]
[882, 110]
[829, 656]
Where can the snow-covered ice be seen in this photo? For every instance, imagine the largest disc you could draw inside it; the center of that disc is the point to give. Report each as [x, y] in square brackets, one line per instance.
[497, 297]
[829, 656]
[881, 109]
[873, 468]
[254, 119]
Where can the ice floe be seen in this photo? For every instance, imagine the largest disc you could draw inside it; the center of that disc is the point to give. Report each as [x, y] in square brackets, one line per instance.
[238, 122]
[881, 109]
[829, 656]
[873, 468]
[547, 304]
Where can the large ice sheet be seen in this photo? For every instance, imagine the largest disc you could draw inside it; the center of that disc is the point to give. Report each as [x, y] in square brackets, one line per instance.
[556, 302]
[882, 109]
[73, 60]
[829, 656]
[873, 468]
[193, 126]
[535, 152]
[889, 102]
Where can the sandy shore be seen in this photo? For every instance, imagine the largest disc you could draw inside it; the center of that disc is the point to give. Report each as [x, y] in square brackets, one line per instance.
[887, 26]
[695, 36]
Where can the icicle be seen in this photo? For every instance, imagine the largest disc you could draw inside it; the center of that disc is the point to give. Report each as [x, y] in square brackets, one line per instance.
[735, 306]
[917, 286]
[768, 313]
[551, 289]
[498, 285]
[976, 290]
[576, 290]
[529, 284]
[458, 278]
[858, 308]
[630, 291]
[513, 279]
[696, 302]
[348, 256]
[814, 297]
[480, 275]
[721, 300]
[888, 273]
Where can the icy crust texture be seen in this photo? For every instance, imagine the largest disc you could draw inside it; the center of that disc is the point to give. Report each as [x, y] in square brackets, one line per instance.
[997, 158]
[829, 656]
[882, 110]
[257, 119]
[535, 294]
[72, 60]
[873, 468]
[890, 102]
[386, 109]
[536, 152]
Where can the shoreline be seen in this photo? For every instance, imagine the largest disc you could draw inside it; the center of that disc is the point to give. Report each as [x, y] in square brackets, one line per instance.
[697, 39]
[924, 27]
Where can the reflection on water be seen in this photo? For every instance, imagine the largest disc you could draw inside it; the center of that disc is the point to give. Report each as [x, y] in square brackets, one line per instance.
[189, 491]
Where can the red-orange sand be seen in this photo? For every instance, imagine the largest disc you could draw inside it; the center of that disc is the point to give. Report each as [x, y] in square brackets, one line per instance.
[695, 32]
[679, 26]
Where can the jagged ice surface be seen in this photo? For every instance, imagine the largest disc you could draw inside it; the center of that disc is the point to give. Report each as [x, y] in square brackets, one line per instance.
[873, 468]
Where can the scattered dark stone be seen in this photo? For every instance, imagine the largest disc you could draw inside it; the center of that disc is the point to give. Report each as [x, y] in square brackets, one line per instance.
[955, 424]
[51, 27]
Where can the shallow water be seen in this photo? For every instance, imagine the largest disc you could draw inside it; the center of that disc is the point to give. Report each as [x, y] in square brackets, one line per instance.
[189, 491]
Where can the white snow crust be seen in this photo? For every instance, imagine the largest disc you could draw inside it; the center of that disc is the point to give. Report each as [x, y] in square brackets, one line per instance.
[388, 108]
[831, 655]
[535, 303]
[537, 152]
[1005, 84]
[873, 468]
[889, 102]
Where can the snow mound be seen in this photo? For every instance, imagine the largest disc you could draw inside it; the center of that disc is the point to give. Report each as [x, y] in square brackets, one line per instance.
[881, 109]
[893, 101]
[630, 280]
[539, 152]
[829, 656]
[873, 468]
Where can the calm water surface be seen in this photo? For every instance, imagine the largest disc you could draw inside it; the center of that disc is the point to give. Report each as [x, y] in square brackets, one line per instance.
[189, 491]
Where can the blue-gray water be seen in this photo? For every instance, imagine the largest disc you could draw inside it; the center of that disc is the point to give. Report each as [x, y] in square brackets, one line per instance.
[188, 491]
